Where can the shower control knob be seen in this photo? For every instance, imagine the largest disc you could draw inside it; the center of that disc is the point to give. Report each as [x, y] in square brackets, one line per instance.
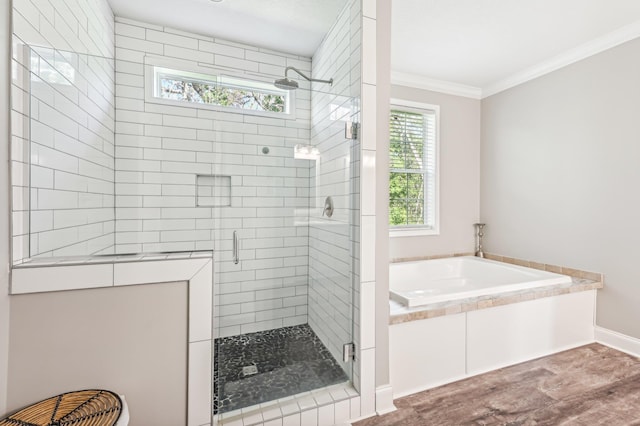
[328, 207]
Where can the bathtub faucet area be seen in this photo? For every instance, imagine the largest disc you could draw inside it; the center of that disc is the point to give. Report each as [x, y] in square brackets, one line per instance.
[479, 235]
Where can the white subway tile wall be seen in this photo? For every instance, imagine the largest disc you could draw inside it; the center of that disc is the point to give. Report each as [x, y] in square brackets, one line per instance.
[365, 318]
[72, 164]
[289, 253]
[333, 242]
[66, 85]
[168, 157]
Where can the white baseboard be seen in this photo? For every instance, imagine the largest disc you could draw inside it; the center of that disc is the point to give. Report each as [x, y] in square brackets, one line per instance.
[430, 385]
[384, 400]
[615, 340]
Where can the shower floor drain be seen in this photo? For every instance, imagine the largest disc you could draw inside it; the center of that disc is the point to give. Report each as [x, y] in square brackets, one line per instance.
[249, 370]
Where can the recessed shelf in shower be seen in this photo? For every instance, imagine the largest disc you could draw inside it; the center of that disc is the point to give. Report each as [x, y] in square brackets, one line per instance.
[213, 191]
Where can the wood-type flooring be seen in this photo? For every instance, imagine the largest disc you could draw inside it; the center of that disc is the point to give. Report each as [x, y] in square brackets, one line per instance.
[589, 385]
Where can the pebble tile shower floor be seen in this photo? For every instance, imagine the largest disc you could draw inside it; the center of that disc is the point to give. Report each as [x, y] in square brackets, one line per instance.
[288, 360]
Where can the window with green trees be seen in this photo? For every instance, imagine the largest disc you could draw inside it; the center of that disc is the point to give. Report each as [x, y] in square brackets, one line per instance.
[412, 167]
[220, 91]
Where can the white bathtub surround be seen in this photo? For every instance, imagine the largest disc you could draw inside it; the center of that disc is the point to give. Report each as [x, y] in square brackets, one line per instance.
[443, 280]
[474, 342]
[194, 268]
[580, 281]
[437, 354]
[401, 313]
[478, 334]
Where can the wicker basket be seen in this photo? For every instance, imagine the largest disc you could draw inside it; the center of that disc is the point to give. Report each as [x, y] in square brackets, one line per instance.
[83, 408]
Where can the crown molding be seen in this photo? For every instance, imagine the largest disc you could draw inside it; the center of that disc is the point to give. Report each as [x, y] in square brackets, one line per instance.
[583, 51]
[442, 86]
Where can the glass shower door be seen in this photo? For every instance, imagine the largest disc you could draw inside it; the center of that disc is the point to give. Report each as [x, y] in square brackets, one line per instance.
[283, 280]
[286, 189]
[282, 301]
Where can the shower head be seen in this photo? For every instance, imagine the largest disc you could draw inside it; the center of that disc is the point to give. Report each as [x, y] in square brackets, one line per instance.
[288, 84]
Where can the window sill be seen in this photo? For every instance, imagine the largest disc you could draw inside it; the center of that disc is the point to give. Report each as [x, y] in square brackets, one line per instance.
[219, 108]
[412, 232]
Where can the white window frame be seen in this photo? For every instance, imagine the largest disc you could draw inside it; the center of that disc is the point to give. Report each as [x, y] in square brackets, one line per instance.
[433, 198]
[155, 66]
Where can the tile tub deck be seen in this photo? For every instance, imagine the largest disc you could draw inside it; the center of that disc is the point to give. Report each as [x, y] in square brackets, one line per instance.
[581, 281]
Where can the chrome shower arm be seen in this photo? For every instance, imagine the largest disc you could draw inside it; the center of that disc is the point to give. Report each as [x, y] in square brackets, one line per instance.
[286, 71]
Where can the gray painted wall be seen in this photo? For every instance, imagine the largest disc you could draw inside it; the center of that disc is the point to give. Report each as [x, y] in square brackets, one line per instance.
[383, 89]
[131, 340]
[459, 176]
[5, 32]
[561, 171]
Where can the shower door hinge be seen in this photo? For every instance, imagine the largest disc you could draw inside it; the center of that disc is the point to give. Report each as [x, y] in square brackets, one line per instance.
[349, 352]
[351, 130]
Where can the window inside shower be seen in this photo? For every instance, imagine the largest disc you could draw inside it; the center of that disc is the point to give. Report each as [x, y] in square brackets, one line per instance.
[220, 160]
[219, 90]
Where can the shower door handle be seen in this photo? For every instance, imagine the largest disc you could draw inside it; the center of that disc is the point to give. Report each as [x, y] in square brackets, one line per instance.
[236, 248]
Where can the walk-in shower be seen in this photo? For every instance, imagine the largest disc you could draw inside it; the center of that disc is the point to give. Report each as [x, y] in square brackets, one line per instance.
[285, 311]
[159, 152]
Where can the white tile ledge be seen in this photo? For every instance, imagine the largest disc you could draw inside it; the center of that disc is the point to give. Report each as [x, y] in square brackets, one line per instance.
[106, 271]
[117, 258]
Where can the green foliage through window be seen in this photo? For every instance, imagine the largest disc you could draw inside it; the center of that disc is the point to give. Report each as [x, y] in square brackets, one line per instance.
[250, 96]
[409, 161]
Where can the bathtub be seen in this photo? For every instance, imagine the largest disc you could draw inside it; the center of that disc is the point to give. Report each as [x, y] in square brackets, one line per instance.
[432, 281]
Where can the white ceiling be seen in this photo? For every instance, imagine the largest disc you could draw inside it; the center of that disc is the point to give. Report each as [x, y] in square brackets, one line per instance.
[482, 43]
[292, 26]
